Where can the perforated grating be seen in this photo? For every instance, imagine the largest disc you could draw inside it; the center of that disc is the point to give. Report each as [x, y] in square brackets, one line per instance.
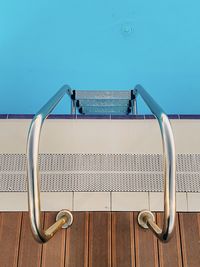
[85, 94]
[99, 172]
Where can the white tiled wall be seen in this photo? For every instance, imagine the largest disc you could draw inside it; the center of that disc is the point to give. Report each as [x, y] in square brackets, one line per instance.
[156, 201]
[128, 201]
[193, 201]
[99, 136]
[100, 201]
[90, 136]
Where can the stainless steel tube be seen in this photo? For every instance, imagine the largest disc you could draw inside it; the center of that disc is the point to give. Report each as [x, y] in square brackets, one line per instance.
[146, 218]
[64, 218]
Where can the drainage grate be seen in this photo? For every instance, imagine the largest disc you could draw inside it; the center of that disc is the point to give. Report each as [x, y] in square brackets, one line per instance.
[99, 172]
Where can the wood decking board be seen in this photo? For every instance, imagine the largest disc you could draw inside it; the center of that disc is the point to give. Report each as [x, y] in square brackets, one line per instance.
[190, 239]
[99, 239]
[146, 247]
[53, 252]
[77, 241]
[170, 253]
[10, 228]
[29, 250]
[123, 254]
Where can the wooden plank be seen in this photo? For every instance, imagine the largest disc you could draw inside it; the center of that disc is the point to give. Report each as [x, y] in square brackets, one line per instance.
[53, 252]
[29, 250]
[146, 246]
[170, 253]
[77, 241]
[123, 240]
[190, 236]
[100, 239]
[10, 227]
[88, 242]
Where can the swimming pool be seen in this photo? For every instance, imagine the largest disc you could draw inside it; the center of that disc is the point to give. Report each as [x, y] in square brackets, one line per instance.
[99, 45]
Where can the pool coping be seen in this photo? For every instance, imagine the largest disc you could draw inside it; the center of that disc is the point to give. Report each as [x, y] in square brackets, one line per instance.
[112, 117]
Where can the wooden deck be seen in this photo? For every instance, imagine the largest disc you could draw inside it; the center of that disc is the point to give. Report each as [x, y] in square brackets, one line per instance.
[99, 239]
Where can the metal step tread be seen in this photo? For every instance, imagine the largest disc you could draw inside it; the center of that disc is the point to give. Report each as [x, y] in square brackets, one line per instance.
[104, 102]
[103, 94]
[117, 110]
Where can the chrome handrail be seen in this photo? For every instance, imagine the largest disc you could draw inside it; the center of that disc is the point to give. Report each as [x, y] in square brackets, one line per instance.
[64, 218]
[146, 218]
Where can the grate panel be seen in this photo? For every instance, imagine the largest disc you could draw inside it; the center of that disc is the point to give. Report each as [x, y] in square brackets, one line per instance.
[105, 110]
[84, 94]
[104, 102]
[99, 172]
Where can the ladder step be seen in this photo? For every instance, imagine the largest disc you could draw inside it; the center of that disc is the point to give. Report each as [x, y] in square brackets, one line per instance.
[118, 110]
[85, 94]
[103, 102]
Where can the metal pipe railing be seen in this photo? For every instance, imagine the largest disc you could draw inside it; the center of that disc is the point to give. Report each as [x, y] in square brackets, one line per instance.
[146, 218]
[64, 218]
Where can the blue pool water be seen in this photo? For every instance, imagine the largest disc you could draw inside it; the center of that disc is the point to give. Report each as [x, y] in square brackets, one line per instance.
[99, 45]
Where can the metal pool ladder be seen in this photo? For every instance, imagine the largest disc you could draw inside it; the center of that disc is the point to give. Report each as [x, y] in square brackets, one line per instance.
[92, 103]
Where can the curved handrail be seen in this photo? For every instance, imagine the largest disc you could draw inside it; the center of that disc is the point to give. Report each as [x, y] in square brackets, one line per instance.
[146, 218]
[64, 217]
